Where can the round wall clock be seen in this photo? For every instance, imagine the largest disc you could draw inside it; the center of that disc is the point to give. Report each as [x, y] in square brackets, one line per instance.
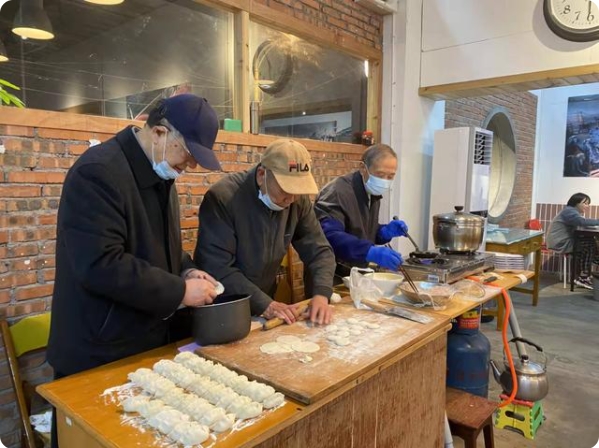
[576, 20]
[272, 66]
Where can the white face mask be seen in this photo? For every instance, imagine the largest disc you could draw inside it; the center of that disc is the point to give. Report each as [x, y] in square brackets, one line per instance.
[376, 186]
[163, 169]
[265, 198]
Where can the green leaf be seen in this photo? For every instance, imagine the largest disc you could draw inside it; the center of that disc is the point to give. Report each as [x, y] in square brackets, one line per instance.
[8, 84]
[4, 97]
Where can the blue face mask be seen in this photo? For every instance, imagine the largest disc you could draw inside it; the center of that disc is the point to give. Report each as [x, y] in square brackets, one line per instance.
[376, 186]
[265, 198]
[163, 169]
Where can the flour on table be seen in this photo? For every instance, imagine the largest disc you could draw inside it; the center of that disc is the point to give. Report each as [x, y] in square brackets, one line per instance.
[305, 347]
[275, 348]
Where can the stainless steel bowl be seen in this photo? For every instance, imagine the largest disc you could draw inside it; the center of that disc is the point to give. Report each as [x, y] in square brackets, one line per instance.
[228, 320]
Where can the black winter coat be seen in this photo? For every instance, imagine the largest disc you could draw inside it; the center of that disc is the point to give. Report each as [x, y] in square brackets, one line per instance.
[118, 258]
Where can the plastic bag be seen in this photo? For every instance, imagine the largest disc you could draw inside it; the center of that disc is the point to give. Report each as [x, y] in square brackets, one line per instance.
[361, 287]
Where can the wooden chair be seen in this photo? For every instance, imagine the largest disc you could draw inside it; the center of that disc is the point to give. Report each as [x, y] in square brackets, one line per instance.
[27, 335]
[284, 292]
[468, 415]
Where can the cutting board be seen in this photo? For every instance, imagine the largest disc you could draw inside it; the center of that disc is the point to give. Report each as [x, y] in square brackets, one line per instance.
[332, 366]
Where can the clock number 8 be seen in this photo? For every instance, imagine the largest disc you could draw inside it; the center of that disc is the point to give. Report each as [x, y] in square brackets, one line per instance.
[567, 9]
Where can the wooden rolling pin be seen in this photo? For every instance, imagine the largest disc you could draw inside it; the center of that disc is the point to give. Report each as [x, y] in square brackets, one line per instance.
[273, 323]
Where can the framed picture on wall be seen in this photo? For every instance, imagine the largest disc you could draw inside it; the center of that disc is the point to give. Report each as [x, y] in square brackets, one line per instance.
[581, 155]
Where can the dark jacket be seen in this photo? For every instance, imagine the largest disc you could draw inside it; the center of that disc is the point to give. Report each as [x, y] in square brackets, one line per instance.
[118, 258]
[241, 242]
[349, 219]
[560, 236]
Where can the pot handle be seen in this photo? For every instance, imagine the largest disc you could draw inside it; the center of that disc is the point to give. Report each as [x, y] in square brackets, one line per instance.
[526, 341]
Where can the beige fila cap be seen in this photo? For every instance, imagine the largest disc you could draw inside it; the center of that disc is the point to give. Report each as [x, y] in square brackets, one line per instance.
[291, 165]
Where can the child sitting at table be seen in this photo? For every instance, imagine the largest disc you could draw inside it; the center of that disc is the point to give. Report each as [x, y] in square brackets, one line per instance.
[561, 236]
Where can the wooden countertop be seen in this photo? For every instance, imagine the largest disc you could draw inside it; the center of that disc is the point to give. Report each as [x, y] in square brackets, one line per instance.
[86, 399]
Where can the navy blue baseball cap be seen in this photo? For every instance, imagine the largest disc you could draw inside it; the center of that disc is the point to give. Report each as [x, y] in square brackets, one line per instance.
[197, 122]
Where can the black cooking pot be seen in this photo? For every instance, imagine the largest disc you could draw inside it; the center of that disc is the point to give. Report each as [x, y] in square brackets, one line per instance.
[228, 319]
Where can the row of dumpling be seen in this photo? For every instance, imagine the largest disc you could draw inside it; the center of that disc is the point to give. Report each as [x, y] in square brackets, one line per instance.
[220, 396]
[168, 420]
[240, 384]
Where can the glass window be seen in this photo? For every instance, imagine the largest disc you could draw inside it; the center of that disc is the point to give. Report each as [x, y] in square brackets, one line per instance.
[305, 90]
[117, 60]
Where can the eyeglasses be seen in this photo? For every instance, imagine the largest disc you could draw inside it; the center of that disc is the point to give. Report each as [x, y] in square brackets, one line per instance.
[183, 145]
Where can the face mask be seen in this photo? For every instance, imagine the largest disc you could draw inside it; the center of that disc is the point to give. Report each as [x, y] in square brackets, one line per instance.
[265, 198]
[163, 169]
[376, 186]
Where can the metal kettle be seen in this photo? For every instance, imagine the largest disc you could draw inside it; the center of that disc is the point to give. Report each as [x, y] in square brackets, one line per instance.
[533, 384]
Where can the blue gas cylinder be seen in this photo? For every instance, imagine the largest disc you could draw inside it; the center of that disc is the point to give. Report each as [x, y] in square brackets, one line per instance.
[468, 355]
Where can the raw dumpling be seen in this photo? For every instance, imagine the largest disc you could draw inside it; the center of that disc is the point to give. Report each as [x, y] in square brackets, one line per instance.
[211, 416]
[274, 400]
[159, 387]
[189, 433]
[132, 404]
[165, 420]
[175, 397]
[224, 423]
[148, 409]
[244, 407]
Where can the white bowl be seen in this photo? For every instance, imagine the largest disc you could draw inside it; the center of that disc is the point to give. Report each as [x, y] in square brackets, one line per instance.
[346, 281]
[387, 282]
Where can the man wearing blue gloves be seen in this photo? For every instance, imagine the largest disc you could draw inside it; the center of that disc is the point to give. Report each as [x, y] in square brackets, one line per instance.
[348, 211]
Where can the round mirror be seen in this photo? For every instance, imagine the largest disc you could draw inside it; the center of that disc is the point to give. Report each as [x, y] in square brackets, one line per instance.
[503, 163]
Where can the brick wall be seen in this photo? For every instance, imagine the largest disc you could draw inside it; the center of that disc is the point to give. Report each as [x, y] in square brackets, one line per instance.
[522, 108]
[346, 18]
[36, 156]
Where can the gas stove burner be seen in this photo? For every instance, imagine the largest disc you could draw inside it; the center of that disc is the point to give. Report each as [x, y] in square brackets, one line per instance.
[463, 253]
[437, 261]
[423, 254]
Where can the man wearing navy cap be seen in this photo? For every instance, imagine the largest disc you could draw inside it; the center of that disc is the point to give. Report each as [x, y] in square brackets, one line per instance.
[121, 273]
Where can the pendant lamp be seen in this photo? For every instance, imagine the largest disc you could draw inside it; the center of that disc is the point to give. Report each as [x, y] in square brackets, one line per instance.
[3, 53]
[105, 2]
[32, 21]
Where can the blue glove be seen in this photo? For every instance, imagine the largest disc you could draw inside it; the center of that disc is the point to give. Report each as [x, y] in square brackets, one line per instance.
[385, 257]
[395, 228]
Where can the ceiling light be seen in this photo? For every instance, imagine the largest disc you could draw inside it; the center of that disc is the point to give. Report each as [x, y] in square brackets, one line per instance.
[105, 2]
[3, 53]
[32, 21]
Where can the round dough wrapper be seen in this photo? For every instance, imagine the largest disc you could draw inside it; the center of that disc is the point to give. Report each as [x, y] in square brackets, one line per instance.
[274, 348]
[352, 321]
[305, 347]
[343, 333]
[288, 339]
[373, 326]
[342, 341]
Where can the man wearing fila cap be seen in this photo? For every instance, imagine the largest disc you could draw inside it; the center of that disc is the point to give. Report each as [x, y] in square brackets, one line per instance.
[247, 221]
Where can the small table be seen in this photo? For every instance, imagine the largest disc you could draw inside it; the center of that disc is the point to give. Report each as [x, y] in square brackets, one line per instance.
[580, 234]
[521, 242]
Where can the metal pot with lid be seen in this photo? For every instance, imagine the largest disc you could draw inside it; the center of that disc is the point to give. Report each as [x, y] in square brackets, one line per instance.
[458, 231]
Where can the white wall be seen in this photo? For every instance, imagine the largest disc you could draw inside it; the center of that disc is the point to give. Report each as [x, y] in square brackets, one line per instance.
[465, 40]
[550, 185]
[408, 123]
